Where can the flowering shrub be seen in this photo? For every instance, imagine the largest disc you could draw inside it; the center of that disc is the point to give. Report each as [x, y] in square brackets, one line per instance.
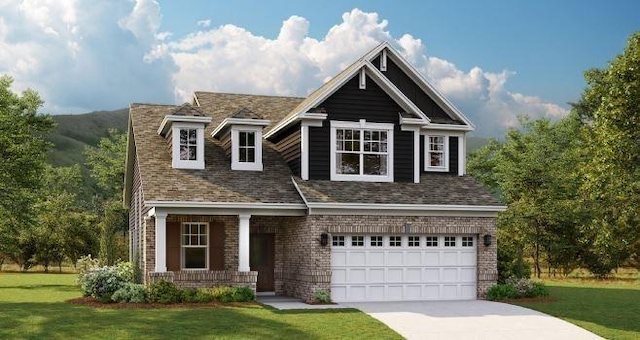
[101, 283]
[86, 263]
[130, 292]
[516, 288]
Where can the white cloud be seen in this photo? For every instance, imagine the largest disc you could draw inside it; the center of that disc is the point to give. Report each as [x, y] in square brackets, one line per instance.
[84, 56]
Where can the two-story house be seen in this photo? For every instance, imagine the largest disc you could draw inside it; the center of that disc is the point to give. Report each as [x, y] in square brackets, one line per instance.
[358, 190]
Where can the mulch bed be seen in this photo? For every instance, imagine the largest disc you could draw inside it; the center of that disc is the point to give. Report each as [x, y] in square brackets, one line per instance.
[91, 302]
[539, 299]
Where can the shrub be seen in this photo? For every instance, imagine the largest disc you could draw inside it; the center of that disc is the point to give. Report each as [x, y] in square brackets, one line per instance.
[502, 292]
[85, 264]
[522, 285]
[322, 296]
[231, 294]
[164, 292]
[101, 283]
[537, 289]
[130, 292]
[125, 270]
[511, 263]
[193, 295]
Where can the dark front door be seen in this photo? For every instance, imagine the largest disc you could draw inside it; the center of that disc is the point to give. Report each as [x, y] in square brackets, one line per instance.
[262, 260]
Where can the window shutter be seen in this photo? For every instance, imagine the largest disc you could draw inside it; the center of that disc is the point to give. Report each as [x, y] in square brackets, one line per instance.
[173, 246]
[216, 246]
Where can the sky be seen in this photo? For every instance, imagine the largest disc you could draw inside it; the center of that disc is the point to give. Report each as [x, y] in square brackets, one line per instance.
[495, 60]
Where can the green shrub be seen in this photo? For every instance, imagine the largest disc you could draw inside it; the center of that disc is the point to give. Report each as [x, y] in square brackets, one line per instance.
[125, 270]
[101, 283]
[243, 294]
[511, 263]
[130, 292]
[231, 294]
[502, 292]
[522, 285]
[537, 289]
[322, 296]
[85, 264]
[164, 292]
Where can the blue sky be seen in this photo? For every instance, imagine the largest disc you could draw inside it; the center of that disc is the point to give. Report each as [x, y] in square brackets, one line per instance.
[494, 59]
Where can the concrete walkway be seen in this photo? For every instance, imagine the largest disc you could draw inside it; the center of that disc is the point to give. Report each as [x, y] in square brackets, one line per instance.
[475, 319]
[286, 302]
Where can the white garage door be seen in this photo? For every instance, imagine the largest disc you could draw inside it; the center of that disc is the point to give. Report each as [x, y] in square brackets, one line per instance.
[403, 267]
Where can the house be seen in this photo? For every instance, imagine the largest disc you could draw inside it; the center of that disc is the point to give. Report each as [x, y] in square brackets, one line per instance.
[358, 189]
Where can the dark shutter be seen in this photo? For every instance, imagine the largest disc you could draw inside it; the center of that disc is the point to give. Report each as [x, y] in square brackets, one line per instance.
[173, 246]
[453, 155]
[216, 246]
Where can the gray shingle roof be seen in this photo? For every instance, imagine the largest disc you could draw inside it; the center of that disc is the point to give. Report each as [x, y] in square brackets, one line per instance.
[217, 182]
[433, 189]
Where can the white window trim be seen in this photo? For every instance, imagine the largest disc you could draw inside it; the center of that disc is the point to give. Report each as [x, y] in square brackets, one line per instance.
[177, 163]
[182, 256]
[362, 124]
[235, 148]
[428, 167]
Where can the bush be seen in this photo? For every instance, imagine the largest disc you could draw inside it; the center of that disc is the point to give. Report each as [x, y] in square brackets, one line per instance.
[164, 292]
[85, 264]
[130, 292]
[511, 263]
[125, 270]
[537, 289]
[517, 288]
[101, 283]
[521, 285]
[231, 294]
[502, 292]
[192, 295]
[322, 296]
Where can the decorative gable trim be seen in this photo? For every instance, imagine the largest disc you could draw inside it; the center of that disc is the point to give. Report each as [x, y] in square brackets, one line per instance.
[238, 121]
[168, 120]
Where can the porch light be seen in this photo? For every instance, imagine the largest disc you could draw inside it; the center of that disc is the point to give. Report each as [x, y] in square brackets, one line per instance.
[487, 240]
[324, 239]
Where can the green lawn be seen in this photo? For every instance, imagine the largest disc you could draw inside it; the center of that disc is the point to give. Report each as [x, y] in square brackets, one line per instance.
[610, 309]
[32, 306]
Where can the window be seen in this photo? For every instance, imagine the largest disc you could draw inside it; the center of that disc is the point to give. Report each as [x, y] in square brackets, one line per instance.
[357, 241]
[431, 241]
[467, 241]
[188, 145]
[246, 144]
[338, 241]
[437, 153]
[376, 241]
[362, 151]
[195, 238]
[414, 241]
[395, 241]
[449, 241]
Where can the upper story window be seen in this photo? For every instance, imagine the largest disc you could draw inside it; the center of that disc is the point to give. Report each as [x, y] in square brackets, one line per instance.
[436, 148]
[246, 144]
[188, 145]
[361, 151]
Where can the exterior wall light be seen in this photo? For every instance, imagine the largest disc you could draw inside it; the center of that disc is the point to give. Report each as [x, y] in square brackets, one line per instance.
[324, 239]
[487, 240]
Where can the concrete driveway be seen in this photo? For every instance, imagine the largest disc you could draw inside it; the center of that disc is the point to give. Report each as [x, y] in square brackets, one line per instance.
[470, 320]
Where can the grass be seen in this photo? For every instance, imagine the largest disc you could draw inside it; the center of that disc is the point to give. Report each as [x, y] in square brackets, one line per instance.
[33, 307]
[609, 308]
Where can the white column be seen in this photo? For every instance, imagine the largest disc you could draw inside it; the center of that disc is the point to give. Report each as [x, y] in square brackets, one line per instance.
[161, 241]
[462, 154]
[416, 156]
[243, 242]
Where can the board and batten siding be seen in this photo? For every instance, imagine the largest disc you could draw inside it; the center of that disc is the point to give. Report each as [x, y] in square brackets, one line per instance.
[453, 154]
[412, 91]
[350, 103]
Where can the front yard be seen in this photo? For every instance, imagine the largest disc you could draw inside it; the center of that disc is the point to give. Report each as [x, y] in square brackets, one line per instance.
[610, 309]
[33, 307]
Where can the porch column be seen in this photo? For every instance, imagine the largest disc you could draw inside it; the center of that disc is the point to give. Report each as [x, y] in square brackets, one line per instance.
[161, 241]
[243, 242]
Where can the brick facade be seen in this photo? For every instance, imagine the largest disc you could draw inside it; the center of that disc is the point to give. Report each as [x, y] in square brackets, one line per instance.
[302, 264]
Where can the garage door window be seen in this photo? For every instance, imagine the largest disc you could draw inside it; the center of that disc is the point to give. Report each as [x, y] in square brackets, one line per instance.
[357, 241]
[414, 241]
[338, 241]
[467, 241]
[395, 241]
[431, 241]
[449, 241]
[376, 241]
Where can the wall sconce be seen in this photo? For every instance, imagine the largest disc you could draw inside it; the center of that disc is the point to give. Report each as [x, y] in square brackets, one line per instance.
[487, 240]
[324, 239]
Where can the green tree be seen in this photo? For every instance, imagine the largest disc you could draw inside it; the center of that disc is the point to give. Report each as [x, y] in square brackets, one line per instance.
[611, 190]
[22, 159]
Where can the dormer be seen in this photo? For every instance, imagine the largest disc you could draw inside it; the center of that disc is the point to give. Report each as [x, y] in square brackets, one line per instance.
[241, 137]
[184, 131]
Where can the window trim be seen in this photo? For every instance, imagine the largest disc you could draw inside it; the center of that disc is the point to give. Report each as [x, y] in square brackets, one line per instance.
[182, 246]
[178, 163]
[361, 125]
[235, 148]
[445, 153]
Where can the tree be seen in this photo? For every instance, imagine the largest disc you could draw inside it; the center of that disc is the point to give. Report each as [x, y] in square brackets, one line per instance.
[22, 159]
[611, 190]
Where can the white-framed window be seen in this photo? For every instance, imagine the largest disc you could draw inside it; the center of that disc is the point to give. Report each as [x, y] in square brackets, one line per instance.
[361, 151]
[467, 241]
[395, 241]
[337, 241]
[436, 153]
[357, 241]
[188, 145]
[431, 241]
[449, 241]
[376, 241]
[414, 241]
[246, 148]
[195, 245]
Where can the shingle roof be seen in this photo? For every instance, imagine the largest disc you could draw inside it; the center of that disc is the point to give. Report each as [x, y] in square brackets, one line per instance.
[186, 110]
[433, 189]
[216, 183]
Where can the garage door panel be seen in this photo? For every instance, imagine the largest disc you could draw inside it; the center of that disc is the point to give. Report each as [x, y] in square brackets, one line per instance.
[468, 274]
[357, 275]
[449, 275]
[376, 275]
[356, 258]
[412, 258]
[449, 258]
[467, 258]
[431, 258]
[394, 292]
[432, 275]
[339, 275]
[375, 292]
[375, 258]
[394, 275]
[448, 292]
[413, 292]
[431, 292]
[394, 258]
[413, 275]
[357, 292]
[468, 291]
[338, 258]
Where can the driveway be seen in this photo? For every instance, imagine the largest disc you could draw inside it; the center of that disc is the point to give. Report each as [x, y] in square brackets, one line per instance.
[475, 319]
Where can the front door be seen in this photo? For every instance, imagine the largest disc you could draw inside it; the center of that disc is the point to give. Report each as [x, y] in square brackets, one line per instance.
[262, 260]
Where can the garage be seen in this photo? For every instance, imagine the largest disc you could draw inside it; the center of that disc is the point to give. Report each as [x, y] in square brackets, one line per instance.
[403, 267]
